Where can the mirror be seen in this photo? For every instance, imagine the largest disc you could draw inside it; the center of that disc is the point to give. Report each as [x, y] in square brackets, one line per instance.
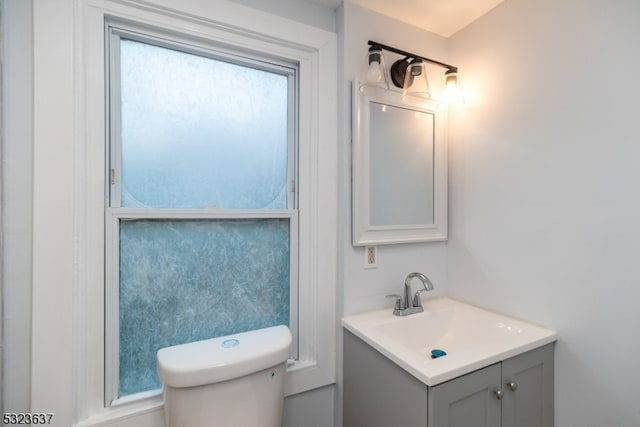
[399, 169]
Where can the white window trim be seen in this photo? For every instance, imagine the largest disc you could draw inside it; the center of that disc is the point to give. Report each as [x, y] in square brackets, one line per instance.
[69, 199]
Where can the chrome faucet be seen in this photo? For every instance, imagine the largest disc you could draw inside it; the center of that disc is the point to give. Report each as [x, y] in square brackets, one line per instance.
[407, 304]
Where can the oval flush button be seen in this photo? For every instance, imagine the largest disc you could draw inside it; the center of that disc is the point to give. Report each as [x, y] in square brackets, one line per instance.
[230, 343]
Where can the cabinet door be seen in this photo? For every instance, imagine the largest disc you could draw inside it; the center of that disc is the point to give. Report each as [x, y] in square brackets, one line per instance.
[467, 401]
[528, 389]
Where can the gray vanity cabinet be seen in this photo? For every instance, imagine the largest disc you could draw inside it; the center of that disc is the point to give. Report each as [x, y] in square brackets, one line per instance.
[517, 392]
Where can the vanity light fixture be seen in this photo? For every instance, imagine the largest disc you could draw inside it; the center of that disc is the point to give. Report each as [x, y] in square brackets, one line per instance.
[409, 74]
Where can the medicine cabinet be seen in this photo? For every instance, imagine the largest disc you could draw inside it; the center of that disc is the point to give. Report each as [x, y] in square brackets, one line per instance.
[399, 168]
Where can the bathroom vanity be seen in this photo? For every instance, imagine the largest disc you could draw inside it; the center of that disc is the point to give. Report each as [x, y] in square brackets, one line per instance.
[497, 371]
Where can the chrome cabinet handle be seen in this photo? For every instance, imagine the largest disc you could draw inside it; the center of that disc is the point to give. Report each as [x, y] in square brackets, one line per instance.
[513, 386]
[499, 394]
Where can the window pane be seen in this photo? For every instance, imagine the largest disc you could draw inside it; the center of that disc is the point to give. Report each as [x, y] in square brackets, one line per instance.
[188, 280]
[198, 132]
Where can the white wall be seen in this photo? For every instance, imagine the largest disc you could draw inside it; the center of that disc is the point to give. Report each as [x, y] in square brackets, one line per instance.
[301, 11]
[544, 189]
[365, 289]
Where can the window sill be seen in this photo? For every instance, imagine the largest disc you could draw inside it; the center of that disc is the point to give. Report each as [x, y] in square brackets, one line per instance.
[127, 414]
[304, 376]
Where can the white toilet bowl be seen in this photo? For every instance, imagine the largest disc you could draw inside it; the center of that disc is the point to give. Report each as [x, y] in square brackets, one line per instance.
[231, 381]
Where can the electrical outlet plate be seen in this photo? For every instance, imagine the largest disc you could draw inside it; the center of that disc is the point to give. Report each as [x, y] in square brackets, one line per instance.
[370, 257]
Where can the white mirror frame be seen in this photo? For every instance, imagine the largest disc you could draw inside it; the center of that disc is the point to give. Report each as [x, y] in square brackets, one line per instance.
[363, 232]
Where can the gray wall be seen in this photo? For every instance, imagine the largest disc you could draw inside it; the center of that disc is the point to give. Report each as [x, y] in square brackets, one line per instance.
[1, 192]
[314, 408]
[544, 194]
[16, 201]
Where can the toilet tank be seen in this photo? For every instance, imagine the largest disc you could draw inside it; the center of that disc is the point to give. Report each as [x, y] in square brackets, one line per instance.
[235, 380]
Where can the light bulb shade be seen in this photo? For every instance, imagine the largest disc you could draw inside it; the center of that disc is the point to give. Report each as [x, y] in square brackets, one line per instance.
[377, 71]
[452, 94]
[415, 80]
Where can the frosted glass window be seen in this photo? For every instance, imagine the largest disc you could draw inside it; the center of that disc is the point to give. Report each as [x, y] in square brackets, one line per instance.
[199, 132]
[191, 132]
[185, 280]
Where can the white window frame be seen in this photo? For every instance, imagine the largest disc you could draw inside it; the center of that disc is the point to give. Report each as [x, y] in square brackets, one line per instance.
[67, 370]
[116, 31]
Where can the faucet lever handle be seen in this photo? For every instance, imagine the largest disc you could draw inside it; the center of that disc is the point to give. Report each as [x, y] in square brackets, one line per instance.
[417, 301]
[398, 298]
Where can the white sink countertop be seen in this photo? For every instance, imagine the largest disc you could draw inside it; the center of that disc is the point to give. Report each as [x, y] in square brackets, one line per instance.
[471, 336]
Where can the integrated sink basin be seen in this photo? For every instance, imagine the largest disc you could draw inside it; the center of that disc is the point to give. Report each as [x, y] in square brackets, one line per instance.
[471, 337]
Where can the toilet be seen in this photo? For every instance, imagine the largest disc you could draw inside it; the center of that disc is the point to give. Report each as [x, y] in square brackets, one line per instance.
[231, 381]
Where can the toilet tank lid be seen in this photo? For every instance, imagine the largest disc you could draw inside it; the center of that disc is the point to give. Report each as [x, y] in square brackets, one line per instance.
[223, 358]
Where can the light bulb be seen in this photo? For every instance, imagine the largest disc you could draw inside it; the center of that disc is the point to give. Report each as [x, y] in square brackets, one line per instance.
[415, 81]
[374, 73]
[452, 94]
